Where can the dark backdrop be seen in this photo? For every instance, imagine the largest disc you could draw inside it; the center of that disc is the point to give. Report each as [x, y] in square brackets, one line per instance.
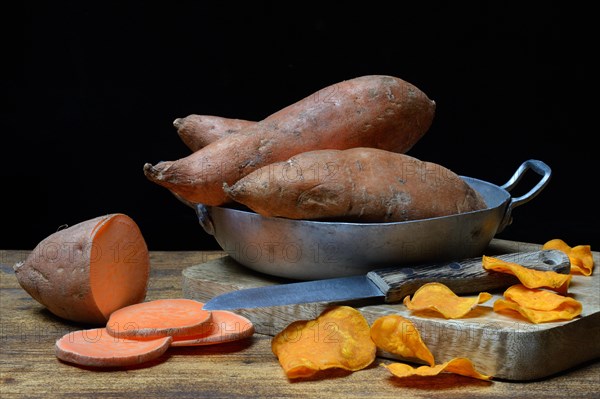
[93, 88]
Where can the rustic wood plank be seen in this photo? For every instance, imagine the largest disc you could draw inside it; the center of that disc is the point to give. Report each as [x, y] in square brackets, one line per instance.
[28, 367]
[500, 345]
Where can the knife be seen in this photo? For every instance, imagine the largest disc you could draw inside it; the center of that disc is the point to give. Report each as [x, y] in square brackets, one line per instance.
[392, 284]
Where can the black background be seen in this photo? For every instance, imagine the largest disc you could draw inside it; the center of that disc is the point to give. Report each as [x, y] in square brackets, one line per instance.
[93, 87]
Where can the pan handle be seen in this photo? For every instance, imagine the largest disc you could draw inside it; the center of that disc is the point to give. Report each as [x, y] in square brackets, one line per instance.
[201, 212]
[538, 167]
[204, 219]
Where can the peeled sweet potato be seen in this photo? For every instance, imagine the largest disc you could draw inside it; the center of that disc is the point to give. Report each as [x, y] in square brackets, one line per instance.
[370, 111]
[358, 184]
[87, 271]
[198, 131]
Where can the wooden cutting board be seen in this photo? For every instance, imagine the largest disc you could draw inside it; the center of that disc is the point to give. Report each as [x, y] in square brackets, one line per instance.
[506, 347]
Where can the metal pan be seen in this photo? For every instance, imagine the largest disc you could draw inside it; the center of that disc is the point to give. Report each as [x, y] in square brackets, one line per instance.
[306, 250]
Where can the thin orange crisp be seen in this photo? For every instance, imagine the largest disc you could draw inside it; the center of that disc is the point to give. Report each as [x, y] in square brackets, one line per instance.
[530, 278]
[438, 297]
[458, 365]
[339, 338]
[582, 260]
[538, 305]
[398, 335]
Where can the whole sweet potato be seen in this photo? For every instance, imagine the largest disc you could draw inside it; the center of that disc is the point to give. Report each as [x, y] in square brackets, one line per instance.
[198, 131]
[85, 272]
[369, 111]
[358, 184]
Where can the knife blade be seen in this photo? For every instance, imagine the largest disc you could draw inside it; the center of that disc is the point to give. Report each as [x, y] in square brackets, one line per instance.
[392, 284]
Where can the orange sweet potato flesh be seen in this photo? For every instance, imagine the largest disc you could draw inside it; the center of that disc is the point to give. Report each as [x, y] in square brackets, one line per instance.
[369, 111]
[358, 185]
[198, 131]
[225, 326]
[173, 317]
[582, 260]
[398, 335]
[338, 338]
[85, 272]
[458, 365]
[97, 348]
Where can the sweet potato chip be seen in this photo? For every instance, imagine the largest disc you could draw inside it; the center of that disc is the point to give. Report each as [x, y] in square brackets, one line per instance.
[339, 338]
[582, 260]
[557, 243]
[438, 297]
[538, 306]
[397, 335]
[458, 365]
[530, 278]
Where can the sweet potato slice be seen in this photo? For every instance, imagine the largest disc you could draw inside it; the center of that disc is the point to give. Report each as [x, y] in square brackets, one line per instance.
[160, 318]
[459, 365]
[582, 260]
[357, 185]
[538, 305]
[369, 111]
[338, 338]
[198, 131]
[97, 348]
[87, 271]
[225, 326]
[398, 335]
[530, 278]
[439, 298]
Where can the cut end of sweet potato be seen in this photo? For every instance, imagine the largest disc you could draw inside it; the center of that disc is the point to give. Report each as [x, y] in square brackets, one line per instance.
[85, 272]
[119, 272]
[97, 348]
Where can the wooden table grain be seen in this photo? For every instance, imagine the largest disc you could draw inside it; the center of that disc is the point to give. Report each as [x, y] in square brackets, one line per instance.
[28, 367]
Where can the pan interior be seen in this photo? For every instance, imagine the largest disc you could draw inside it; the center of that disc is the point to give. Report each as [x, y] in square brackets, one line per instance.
[493, 195]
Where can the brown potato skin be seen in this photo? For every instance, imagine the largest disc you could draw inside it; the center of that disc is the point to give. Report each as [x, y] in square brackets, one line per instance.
[357, 185]
[369, 111]
[57, 272]
[198, 131]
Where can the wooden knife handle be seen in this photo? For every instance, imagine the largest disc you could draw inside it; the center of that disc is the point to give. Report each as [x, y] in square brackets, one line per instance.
[465, 276]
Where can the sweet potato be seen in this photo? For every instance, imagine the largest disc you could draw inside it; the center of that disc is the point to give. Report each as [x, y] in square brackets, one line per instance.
[198, 131]
[174, 317]
[370, 111]
[97, 348]
[142, 332]
[358, 184]
[87, 271]
[225, 326]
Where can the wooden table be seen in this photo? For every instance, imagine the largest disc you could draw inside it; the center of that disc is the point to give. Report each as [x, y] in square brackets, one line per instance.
[28, 367]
